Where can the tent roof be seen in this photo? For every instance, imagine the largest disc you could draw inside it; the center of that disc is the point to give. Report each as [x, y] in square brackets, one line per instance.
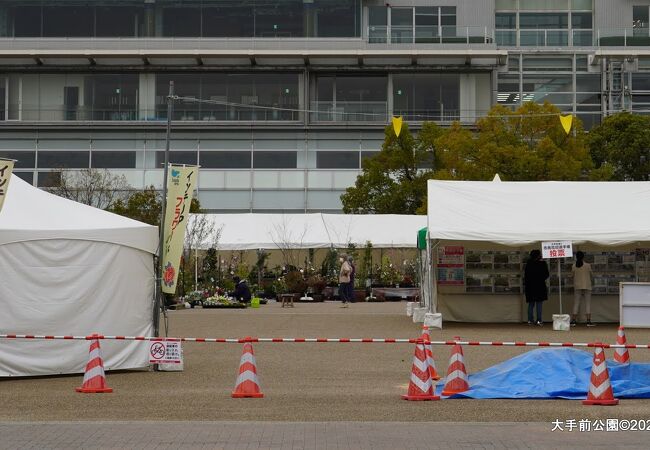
[516, 213]
[272, 231]
[31, 214]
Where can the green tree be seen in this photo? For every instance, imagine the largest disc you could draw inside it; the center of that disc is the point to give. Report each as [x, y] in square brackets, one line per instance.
[145, 206]
[528, 144]
[621, 144]
[394, 180]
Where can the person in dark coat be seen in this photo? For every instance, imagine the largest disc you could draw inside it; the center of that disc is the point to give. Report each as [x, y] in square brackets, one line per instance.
[535, 276]
[241, 292]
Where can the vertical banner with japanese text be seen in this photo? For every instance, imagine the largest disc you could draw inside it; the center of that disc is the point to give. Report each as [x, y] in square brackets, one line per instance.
[6, 167]
[180, 187]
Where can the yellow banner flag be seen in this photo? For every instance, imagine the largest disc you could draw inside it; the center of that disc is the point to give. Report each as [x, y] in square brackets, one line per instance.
[180, 187]
[567, 121]
[6, 167]
[397, 125]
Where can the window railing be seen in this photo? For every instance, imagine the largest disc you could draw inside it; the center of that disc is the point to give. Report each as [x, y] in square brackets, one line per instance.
[544, 38]
[349, 111]
[429, 35]
[181, 113]
[623, 37]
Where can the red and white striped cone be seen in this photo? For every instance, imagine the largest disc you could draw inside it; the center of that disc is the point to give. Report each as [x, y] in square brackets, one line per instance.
[457, 380]
[247, 384]
[621, 355]
[600, 389]
[428, 350]
[420, 384]
[94, 378]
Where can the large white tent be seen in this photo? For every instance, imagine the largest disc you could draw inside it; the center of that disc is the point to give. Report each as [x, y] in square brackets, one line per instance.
[523, 214]
[273, 231]
[68, 268]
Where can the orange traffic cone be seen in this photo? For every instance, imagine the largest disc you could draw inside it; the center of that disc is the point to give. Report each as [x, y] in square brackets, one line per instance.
[600, 389]
[621, 355]
[94, 378]
[456, 380]
[429, 352]
[420, 384]
[247, 385]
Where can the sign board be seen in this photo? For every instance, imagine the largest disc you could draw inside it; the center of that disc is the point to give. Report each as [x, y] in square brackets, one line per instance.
[634, 304]
[165, 353]
[451, 265]
[557, 249]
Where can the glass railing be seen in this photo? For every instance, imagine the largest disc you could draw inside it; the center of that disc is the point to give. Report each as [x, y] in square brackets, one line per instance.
[544, 38]
[349, 112]
[429, 35]
[623, 37]
[181, 113]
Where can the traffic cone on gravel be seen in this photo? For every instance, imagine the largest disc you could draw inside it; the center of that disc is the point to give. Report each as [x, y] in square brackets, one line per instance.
[428, 350]
[94, 378]
[420, 384]
[247, 385]
[621, 355]
[456, 381]
[600, 389]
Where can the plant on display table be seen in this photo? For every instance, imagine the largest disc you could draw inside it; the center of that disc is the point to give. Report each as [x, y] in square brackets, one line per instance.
[221, 301]
[316, 284]
[196, 298]
[295, 283]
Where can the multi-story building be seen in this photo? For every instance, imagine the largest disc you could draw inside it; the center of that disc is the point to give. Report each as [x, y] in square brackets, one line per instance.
[296, 92]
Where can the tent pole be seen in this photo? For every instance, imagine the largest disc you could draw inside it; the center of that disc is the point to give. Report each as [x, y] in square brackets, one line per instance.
[159, 298]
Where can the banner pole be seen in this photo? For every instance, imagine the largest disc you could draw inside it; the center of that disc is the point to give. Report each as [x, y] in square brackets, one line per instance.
[159, 298]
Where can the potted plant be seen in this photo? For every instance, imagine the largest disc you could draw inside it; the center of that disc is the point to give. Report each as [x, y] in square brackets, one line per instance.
[316, 284]
[295, 283]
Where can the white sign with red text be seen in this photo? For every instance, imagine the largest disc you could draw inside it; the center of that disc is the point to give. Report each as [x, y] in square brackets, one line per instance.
[557, 249]
[165, 353]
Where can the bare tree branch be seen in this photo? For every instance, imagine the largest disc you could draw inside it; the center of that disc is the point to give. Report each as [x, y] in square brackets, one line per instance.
[94, 187]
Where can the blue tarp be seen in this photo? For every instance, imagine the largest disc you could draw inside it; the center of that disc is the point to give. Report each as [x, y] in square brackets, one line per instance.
[554, 373]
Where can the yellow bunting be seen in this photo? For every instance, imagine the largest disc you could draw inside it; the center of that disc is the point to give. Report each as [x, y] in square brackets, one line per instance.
[567, 121]
[397, 125]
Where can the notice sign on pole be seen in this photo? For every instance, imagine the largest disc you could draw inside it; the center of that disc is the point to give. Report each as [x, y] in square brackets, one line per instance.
[451, 265]
[165, 353]
[557, 249]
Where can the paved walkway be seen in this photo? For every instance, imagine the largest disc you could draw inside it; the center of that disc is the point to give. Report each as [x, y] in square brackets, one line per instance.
[306, 435]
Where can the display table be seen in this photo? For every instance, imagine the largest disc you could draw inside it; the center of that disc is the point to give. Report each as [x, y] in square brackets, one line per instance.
[401, 293]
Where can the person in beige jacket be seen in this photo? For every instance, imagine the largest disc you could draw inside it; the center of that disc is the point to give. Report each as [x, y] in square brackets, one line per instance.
[582, 288]
[344, 280]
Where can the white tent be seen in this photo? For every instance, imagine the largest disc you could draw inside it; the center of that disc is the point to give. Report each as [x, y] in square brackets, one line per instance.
[518, 214]
[68, 268]
[272, 231]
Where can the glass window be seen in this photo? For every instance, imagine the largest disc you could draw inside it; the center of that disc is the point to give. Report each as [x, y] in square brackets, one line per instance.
[513, 63]
[119, 21]
[582, 63]
[24, 160]
[367, 154]
[588, 99]
[68, 160]
[581, 20]
[113, 160]
[68, 21]
[182, 22]
[333, 18]
[547, 83]
[275, 160]
[111, 96]
[228, 19]
[588, 82]
[640, 16]
[26, 21]
[582, 5]
[543, 20]
[506, 21]
[225, 160]
[25, 176]
[378, 16]
[508, 83]
[361, 88]
[401, 17]
[279, 19]
[426, 96]
[426, 15]
[175, 157]
[337, 160]
[448, 16]
[547, 64]
[537, 5]
[641, 81]
[48, 179]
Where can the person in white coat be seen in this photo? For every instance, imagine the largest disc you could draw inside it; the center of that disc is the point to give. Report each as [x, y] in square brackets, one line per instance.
[582, 288]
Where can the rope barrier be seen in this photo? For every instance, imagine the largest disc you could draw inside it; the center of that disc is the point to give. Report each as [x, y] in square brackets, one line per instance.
[323, 340]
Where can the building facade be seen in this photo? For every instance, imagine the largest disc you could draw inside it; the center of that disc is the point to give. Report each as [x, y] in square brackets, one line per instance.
[294, 93]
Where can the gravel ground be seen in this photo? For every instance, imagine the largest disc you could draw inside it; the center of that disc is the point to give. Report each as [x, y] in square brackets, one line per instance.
[309, 382]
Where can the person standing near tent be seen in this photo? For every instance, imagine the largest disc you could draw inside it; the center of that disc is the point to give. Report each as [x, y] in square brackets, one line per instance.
[535, 276]
[582, 288]
[242, 292]
[344, 280]
[353, 272]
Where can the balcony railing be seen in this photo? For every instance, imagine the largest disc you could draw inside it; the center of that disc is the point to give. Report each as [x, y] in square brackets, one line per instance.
[429, 35]
[624, 37]
[349, 111]
[544, 38]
